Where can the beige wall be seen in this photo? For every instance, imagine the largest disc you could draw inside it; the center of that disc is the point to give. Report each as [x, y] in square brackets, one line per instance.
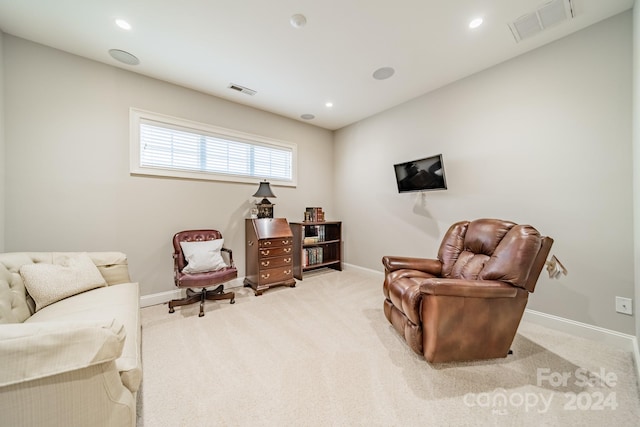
[2, 157]
[554, 124]
[68, 185]
[636, 157]
[543, 139]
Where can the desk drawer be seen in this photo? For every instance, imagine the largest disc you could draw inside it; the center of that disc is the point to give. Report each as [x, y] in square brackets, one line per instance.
[274, 275]
[272, 243]
[275, 251]
[265, 263]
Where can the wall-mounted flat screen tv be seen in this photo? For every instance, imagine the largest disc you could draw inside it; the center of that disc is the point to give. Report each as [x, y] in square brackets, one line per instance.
[421, 175]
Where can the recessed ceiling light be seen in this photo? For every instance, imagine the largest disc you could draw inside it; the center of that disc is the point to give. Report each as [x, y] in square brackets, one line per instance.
[123, 24]
[307, 116]
[298, 20]
[383, 73]
[329, 104]
[475, 23]
[124, 57]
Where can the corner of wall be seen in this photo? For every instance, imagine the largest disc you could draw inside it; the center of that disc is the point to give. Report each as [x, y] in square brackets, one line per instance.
[635, 123]
[2, 147]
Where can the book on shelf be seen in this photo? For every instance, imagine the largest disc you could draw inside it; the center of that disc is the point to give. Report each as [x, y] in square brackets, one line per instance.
[312, 256]
[314, 234]
[314, 214]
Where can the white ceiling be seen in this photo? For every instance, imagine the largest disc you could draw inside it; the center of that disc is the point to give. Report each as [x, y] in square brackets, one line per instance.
[206, 45]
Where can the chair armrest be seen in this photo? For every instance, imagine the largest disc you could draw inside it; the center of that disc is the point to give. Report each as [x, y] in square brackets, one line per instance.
[230, 252]
[431, 266]
[40, 349]
[468, 288]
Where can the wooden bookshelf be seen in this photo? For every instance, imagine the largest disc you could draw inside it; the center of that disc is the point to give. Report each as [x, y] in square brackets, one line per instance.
[316, 245]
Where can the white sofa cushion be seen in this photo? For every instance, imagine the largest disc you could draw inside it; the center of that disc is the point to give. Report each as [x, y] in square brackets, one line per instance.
[49, 283]
[117, 301]
[102, 394]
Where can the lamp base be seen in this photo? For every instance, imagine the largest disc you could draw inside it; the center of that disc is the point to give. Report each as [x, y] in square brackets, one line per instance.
[265, 210]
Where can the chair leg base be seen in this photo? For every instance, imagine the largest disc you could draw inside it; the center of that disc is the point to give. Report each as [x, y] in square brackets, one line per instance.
[193, 297]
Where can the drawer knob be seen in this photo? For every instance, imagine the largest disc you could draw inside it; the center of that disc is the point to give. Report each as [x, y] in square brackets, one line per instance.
[265, 263]
[265, 252]
[287, 250]
[287, 272]
[267, 243]
[287, 260]
[285, 242]
[265, 276]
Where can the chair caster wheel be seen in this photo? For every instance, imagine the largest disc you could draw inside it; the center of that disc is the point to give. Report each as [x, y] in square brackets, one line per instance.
[232, 301]
[200, 314]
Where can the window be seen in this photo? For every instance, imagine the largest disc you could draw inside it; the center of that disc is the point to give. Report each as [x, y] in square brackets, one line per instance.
[168, 146]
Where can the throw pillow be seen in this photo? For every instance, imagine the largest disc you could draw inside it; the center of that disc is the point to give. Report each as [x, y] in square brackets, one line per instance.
[49, 283]
[203, 256]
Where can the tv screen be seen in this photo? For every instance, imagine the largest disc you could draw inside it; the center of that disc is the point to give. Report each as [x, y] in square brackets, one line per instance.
[421, 175]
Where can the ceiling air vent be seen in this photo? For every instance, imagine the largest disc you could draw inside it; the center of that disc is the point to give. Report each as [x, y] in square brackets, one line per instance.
[242, 89]
[547, 15]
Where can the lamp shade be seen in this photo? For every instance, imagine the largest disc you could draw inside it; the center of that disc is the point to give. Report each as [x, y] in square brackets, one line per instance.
[264, 190]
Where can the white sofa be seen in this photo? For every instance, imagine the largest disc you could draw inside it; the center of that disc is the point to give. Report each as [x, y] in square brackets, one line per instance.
[75, 361]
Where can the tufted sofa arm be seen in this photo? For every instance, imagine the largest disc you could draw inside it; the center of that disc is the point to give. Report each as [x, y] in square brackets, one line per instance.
[63, 373]
[30, 351]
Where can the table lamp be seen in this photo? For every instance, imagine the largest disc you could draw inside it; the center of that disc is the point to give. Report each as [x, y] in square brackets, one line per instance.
[265, 207]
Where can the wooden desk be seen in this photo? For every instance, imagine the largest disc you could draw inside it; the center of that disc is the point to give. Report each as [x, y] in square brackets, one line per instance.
[269, 254]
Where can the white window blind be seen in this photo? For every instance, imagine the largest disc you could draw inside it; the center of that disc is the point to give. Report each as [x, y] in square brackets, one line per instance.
[178, 148]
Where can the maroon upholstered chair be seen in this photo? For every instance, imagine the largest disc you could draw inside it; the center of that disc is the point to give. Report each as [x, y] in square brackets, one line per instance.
[466, 304]
[206, 274]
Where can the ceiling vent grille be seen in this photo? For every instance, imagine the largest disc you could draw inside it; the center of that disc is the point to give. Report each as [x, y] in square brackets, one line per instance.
[241, 89]
[547, 15]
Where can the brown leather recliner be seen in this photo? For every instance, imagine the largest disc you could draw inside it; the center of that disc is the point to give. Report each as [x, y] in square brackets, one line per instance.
[466, 304]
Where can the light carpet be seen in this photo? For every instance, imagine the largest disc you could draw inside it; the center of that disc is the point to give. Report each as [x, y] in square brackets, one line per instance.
[323, 354]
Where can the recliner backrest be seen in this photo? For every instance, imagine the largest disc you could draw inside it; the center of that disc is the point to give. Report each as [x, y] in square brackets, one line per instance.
[491, 249]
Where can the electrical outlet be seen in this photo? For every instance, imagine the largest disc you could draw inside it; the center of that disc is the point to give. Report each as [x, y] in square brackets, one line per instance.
[623, 305]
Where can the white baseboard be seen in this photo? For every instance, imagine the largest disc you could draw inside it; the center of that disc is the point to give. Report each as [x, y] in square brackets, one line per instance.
[159, 298]
[364, 270]
[583, 330]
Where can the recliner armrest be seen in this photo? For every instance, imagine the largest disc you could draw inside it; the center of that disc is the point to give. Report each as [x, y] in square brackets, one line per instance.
[468, 288]
[431, 266]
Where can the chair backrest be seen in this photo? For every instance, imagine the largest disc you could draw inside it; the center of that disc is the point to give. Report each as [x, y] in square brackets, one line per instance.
[493, 249]
[191, 236]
